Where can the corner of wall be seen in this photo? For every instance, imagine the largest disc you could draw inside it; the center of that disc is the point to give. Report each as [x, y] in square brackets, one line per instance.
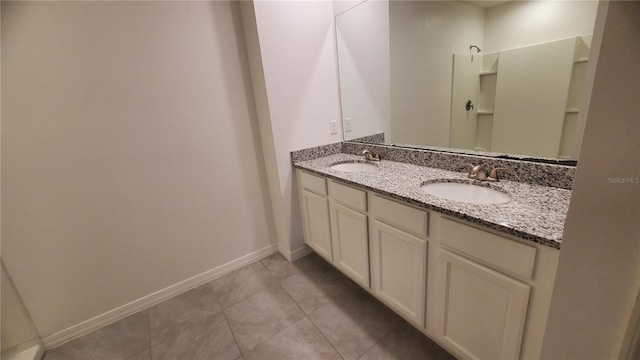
[294, 70]
[597, 278]
[252, 43]
[340, 6]
[293, 255]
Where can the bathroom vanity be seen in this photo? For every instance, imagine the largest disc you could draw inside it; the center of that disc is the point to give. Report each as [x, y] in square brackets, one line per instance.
[476, 278]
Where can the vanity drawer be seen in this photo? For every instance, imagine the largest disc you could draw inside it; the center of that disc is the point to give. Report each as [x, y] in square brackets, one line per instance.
[402, 216]
[503, 254]
[349, 196]
[313, 183]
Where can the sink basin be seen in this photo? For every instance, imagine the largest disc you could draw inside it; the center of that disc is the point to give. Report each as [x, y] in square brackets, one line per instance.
[465, 192]
[354, 166]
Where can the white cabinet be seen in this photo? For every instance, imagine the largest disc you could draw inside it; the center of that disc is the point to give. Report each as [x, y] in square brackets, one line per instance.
[349, 231]
[479, 293]
[399, 257]
[398, 270]
[315, 213]
[335, 223]
[482, 311]
[492, 292]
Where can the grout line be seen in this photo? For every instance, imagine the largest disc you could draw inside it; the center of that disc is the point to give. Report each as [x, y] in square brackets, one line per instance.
[369, 349]
[290, 297]
[325, 337]
[149, 327]
[278, 333]
[250, 295]
[379, 341]
[276, 282]
[232, 334]
[304, 313]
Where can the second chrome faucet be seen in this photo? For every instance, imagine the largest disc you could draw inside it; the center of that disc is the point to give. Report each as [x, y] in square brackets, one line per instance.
[479, 172]
[368, 155]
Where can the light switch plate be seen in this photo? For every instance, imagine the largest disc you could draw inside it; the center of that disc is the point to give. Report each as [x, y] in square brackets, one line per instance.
[347, 124]
[333, 127]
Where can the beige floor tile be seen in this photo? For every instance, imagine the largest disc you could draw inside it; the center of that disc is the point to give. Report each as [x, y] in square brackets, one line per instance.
[262, 316]
[145, 355]
[310, 281]
[211, 339]
[243, 283]
[312, 289]
[300, 341]
[278, 266]
[354, 322]
[168, 318]
[405, 342]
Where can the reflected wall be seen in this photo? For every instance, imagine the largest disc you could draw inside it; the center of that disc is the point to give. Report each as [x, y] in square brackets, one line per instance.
[423, 38]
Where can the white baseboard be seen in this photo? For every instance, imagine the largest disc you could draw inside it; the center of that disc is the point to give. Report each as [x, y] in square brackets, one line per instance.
[300, 252]
[155, 298]
[285, 252]
[296, 254]
[32, 350]
[630, 348]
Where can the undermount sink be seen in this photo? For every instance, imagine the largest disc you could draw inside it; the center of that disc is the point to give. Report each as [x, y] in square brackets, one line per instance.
[354, 166]
[465, 192]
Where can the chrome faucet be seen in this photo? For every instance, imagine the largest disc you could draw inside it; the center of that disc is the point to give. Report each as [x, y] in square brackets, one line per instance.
[494, 174]
[479, 172]
[368, 155]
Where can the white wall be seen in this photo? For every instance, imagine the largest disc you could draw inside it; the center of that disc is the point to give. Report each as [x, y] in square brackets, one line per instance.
[463, 132]
[340, 6]
[130, 151]
[297, 44]
[17, 328]
[363, 54]
[523, 23]
[598, 272]
[531, 93]
[424, 37]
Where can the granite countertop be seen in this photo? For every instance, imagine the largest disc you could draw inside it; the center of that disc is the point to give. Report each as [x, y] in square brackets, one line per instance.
[535, 213]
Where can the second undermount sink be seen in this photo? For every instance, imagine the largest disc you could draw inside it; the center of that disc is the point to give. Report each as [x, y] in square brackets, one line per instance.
[354, 166]
[465, 192]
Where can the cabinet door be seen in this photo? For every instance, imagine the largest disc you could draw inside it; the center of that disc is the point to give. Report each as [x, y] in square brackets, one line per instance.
[398, 270]
[349, 235]
[315, 213]
[482, 312]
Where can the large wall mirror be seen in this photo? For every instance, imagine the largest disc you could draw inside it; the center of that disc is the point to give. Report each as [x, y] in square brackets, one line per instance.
[501, 77]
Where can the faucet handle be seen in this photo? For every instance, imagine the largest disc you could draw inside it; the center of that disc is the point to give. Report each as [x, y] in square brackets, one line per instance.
[370, 155]
[478, 172]
[494, 174]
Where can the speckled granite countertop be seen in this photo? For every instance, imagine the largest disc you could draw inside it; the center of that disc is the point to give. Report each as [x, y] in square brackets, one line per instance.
[535, 213]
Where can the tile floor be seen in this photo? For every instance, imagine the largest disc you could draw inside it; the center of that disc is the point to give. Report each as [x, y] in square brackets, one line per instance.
[270, 309]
